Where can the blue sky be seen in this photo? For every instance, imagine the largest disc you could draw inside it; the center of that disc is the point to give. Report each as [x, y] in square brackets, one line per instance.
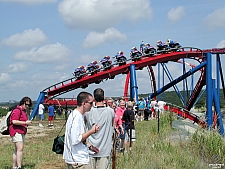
[43, 41]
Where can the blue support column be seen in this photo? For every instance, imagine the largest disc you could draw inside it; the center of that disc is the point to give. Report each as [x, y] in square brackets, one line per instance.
[218, 74]
[184, 89]
[133, 83]
[209, 93]
[39, 100]
[217, 106]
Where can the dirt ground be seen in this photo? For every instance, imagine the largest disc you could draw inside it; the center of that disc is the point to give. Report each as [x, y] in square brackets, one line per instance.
[33, 131]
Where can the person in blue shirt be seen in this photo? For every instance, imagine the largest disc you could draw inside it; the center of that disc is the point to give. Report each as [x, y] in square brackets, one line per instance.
[141, 107]
[51, 114]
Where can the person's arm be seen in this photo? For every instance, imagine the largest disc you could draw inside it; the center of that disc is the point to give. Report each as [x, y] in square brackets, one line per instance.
[16, 115]
[93, 130]
[21, 123]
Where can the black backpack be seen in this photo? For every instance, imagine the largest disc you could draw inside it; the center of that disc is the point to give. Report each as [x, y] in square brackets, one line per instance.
[5, 123]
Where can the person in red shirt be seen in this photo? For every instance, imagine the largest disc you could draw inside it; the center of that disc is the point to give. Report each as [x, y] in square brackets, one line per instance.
[18, 129]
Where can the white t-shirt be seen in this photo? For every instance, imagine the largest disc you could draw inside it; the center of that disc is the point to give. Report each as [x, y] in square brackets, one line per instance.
[41, 109]
[74, 150]
[161, 105]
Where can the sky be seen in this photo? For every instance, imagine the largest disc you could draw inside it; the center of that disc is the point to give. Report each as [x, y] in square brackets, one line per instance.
[43, 41]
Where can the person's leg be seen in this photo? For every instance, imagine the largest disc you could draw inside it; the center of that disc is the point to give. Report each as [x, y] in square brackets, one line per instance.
[41, 119]
[92, 162]
[14, 164]
[49, 121]
[126, 141]
[19, 153]
[122, 137]
[102, 162]
[52, 120]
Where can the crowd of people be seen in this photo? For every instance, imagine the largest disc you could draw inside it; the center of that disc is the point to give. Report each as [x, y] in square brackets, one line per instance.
[89, 128]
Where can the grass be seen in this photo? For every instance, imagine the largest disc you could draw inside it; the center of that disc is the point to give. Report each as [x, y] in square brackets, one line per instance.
[150, 151]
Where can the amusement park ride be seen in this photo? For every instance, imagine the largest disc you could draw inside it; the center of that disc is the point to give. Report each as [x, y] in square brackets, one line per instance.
[148, 57]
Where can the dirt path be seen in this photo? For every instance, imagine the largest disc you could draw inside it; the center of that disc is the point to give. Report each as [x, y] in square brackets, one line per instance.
[33, 131]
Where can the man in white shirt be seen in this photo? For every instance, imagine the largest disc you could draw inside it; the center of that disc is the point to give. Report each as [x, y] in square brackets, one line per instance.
[161, 105]
[41, 109]
[76, 152]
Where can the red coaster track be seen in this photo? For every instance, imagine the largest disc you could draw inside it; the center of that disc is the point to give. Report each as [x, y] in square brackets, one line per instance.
[187, 52]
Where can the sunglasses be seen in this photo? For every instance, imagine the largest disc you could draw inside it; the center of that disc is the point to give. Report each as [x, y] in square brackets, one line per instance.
[27, 104]
[90, 103]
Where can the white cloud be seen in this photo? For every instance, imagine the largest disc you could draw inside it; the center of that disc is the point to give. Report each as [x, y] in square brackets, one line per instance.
[30, 2]
[95, 39]
[4, 77]
[86, 59]
[102, 14]
[176, 14]
[27, 39]
[221, 44]
[18, 67]
[216, 19]
[49, 53]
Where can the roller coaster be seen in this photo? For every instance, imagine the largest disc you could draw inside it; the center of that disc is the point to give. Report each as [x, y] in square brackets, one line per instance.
[203, 58]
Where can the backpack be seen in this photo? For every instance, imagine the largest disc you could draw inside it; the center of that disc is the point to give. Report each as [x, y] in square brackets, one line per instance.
[5, 122]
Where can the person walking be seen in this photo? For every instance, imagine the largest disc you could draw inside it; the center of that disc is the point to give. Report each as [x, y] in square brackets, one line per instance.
[128, 118]
[76, 153]
[110, 102]
[18, 129]
[119, 112]
[51, 114]
[103, 116]
[41, 109]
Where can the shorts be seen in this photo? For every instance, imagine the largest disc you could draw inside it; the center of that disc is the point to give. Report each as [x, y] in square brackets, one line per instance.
[18, 138]
[122, 136]
[99, 162]
[141, 112]
[127, 135]
[50, 118]
[41, 116]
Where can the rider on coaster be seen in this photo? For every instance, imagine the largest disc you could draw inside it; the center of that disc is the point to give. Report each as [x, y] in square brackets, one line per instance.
[105, 59]
[119, 54]
[170, 43]
[92, 64]
[142, 46]
[159, 43]
[80, 70]
[106, 62]
[173, 44]
[92, 67]
[135, 54]
[147, 48]
[161, 46]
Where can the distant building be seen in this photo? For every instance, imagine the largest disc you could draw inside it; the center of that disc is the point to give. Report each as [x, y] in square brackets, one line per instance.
[12, 101]
[4, 107]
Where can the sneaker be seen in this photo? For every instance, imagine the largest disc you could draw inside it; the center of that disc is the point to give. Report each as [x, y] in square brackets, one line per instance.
[40, 125]
[122, 149]
[19, 168]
